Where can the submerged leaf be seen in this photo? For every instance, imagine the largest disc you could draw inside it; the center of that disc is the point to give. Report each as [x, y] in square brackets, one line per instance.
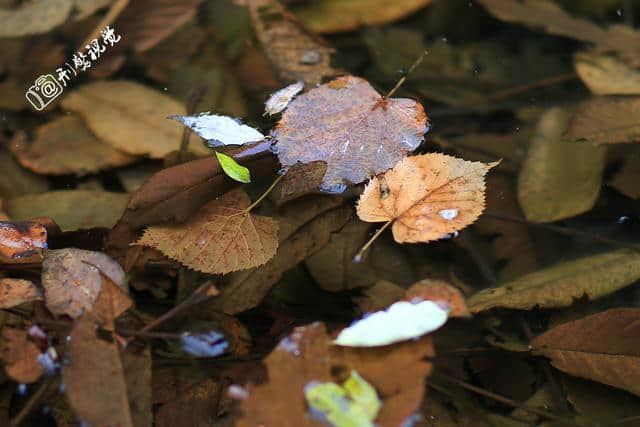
[20, 356]
[348, 125]
[606, 120]
[606, 74]
[219, 238]
[220, 130]
[428, 197]
[233, 169]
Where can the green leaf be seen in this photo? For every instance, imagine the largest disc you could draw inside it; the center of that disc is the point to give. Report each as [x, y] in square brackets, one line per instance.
[354, 404]
[233, 169]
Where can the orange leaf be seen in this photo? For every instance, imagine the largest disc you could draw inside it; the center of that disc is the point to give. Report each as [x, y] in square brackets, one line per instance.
[219, 238]
[426, 197]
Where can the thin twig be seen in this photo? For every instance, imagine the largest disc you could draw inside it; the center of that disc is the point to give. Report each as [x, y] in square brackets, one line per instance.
[265, 194]
[404, 77]
[108, 19]
[35, 399]
[358, 256]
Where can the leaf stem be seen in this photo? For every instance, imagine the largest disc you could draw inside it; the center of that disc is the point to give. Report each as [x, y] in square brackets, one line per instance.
[265, 194]
[404, 77]
[358, 256]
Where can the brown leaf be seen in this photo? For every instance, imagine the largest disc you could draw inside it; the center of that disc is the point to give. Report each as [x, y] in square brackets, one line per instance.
[94, 378]
[557, 286]
[48, 151]
[219, 238]
[16, 181]
[72, 279]
[348, 125]
[606, 74]
[17, 291]
[22, 242]
[603, 347]
[20, 356]
[304, 228]
[397, 372]
[606, 120]
[300, 179]
[428, 197]
[379, 296]
[71, 209]
[439, 290]
[130, 116]
[295, 53]
[334, 16]
[111, 303]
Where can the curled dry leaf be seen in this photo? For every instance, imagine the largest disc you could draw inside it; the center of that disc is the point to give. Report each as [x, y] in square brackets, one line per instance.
[48, 152]
[22, 242]
[72, 279]
[20, 356]
[17, 291]
[603, 347]
[307, 355]
[219, 238]
[606, 120]
[427, 197]
[130, 116]
[348, 125]
[559, 285]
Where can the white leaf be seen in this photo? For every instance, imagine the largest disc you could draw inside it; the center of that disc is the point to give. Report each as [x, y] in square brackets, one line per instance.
[220, 130]
[279, 100]
[401, 321]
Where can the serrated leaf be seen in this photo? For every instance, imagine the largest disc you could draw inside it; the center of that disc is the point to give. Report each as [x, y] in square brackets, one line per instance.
[233, 169]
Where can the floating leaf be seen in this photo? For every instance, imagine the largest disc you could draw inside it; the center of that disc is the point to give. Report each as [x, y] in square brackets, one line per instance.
[22, 242]
[17, 291]
[20, 356]
[606, 120]
[559, 285]
[348, 125]
[401, 321]
[355, 403]
[548, 190]
[219, 238]
[220, 130]
[280, 99]
[603, 347]
[233, 169]
[427, 197]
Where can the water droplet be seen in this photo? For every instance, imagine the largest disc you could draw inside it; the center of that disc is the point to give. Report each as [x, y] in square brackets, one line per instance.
[334, 189]
[237, 392]
[623, 219]
[449, 214]
[22, 389]
[619, 12]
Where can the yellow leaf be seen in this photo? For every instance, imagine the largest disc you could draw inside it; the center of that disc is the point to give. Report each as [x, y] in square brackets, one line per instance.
[427, 197]
[219, 238]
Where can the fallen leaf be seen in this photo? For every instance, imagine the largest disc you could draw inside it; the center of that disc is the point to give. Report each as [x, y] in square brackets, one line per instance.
[48, 151]
[554, 20]
[72, 279]
[299, 180]
[112, 301]
[627, 177]
[16, 181]
[295, 53]
[440, 292]
[606, 120]
[334, 16]
[603, 347]
[429, 196]
[220, 130]
[307, 355]
[559, 285]
[22, 241]
[348, 125]
[233, 169]
[18, 291]
[279, 100]
[20, 356]
[130, 116]
[71, 209]
[606, 74]
[548, 190]
[599, 403]
[34, 17]
[219, 238]
[401, 321]
[380, 295]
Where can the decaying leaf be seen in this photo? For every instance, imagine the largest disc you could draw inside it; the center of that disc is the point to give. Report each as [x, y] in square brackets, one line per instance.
[220, 130]
[17, 291]
[20, 356]
[348, 125]
[603, 347]
[22, 241]
[130, 116]
[606, 74]
[72, 279]
[559, 285]
[219, 238]
[71, 209]
[332, 16]
[294, 53]
[49, 150]
[606, 120]
[429, 197]
[548, 190]
[307, 355]
[281, 99]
